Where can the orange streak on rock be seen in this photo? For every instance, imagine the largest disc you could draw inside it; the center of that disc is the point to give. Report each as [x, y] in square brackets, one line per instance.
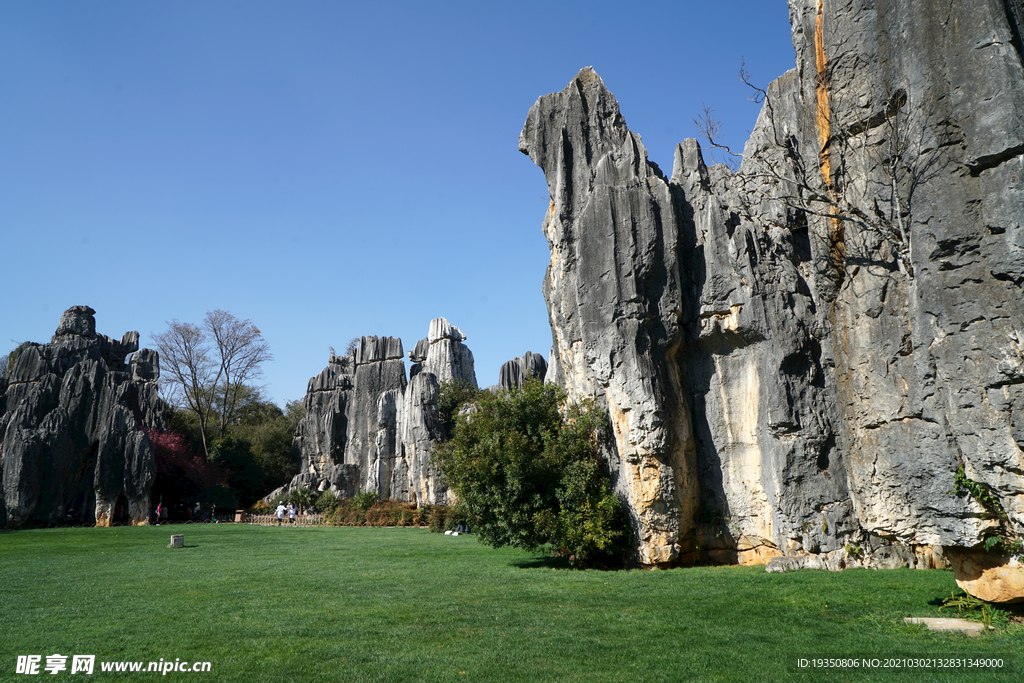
[823, 118]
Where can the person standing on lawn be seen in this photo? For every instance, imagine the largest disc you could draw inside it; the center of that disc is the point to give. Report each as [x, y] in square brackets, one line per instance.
[280, 513]
[291, 513]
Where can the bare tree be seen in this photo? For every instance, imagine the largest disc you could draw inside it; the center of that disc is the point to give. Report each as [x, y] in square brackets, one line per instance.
[352, 346]
[241, 350]
[188, 372]
[206, 368]
[864, 173]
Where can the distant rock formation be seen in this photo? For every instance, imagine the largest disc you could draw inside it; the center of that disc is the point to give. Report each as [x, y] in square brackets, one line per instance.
[380, 371]
[73, 416]
[783, 380]
[443, 354]
[515, 372]
[367, 429]
[416, 479]
[322, 435]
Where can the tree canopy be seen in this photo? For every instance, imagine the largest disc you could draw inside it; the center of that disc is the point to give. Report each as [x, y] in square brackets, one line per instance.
[526, 466]
[206, 369]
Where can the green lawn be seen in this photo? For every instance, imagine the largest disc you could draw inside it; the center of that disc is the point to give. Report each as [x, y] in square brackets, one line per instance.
[372, 604]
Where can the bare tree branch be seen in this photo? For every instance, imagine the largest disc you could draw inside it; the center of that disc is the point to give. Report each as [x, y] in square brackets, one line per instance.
[864, 175]
[242, 350]
[207, 369]
[188, 371]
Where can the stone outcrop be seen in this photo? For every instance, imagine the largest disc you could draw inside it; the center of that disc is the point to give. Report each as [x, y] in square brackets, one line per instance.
[368, 429]
[785, 377]
[322, 435]
[380, 370]
[443, 354]
[421, 430]
[987, 576]
[614, 299]
[515, 372]
[73, 421]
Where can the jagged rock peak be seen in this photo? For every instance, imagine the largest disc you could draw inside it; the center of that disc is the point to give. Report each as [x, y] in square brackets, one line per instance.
[374, 349]
[614, 299]
[441, 329]
[515, 372]
[419, 352]
[76, 321]
[337, 375]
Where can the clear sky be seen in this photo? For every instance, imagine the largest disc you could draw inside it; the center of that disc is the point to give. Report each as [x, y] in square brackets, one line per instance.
[325, 169]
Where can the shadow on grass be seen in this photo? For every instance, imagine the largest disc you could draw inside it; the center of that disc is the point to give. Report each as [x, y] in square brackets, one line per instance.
[543, 562]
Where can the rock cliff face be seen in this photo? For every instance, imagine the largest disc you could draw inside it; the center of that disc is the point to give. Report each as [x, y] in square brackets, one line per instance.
[614, 300]
[368, 429]
[72, 420]
[802, 354]
[322, 434]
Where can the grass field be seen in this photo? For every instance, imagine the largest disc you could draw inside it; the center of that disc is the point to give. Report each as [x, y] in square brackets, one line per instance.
[372, 604]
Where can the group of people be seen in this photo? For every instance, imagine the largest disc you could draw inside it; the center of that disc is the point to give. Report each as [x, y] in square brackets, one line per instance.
[281, 510]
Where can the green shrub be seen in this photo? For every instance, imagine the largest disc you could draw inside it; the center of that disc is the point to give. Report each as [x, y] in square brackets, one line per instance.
[527, 470]
[452, 395]
[388, 513]
[437, 516]
[302, 499]
[346, 514]
[419, 516]
[364, 501]
[327, 502]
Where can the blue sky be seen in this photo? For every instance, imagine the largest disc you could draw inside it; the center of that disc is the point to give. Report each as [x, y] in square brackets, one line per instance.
[325, 169]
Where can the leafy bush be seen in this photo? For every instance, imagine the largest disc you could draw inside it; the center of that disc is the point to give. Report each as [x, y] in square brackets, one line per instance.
[389, 513]
[327, 502]
[346, 514]
[302, 499]
[437, 515]
[457, 516]
[260, 508]
[452, 395]
[526, 468]
[364, 501]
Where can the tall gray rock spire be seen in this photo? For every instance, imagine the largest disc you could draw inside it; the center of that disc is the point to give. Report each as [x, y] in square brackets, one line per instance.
[73, 422]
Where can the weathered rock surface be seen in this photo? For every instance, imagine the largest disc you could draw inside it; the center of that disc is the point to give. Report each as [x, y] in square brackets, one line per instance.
[367, 429]
[421, 430]
[614, 299]
[73, 419]
[784, 379]
[443, 354]
[515, 372]
[986, 576]
[322, 434]
[379, 369]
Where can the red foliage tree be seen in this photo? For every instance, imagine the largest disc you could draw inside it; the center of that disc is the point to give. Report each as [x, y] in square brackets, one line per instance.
[181, 474]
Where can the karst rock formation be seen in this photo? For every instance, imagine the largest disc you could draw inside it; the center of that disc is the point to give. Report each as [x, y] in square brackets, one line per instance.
[368, 429]
[797, 358]
[73, 421]
[514, 373]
